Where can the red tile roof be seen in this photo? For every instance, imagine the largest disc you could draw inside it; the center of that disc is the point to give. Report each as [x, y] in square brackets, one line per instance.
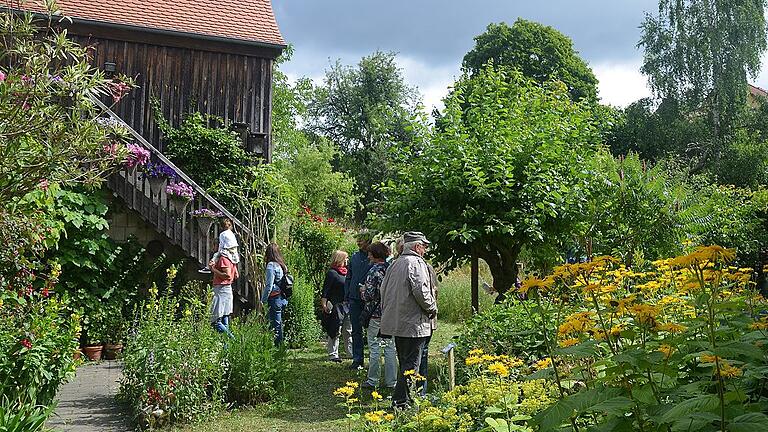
[245, 20]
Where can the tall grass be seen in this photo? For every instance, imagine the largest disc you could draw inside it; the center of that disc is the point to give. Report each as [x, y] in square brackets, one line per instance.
[454, 297]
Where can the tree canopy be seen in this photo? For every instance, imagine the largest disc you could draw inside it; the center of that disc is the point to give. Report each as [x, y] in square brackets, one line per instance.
[540, 52]
[505, 171]
[365, 110]
[700, 53]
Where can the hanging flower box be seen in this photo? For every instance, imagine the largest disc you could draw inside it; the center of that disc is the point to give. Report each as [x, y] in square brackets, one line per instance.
[158, 174]
[205, 218]
[179, 195]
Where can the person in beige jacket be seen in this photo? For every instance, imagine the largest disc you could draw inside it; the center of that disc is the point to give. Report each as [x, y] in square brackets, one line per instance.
[408, 306]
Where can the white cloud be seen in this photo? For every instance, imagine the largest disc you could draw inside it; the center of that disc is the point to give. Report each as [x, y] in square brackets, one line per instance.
[621, 83]
[432, 82]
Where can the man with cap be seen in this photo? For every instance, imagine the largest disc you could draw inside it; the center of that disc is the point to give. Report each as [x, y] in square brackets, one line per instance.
[356, 272]
[408, 306]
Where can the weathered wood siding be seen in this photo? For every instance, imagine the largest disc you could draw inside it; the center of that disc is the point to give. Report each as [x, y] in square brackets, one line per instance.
[235, 87]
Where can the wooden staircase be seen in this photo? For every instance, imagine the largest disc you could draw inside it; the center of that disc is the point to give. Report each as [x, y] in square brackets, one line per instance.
[188, 233]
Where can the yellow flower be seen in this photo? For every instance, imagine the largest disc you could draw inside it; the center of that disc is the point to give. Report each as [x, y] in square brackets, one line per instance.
[708, 358]
[409, 372]
[644, 313]
[376, 395]
[352, 384]
[470, 361]
[476, 352]
[389, 417]
[728, 371]
[543, 364]
[344, 392]
[672, 328]
[666, 350]
[569, 342]
[499, 369]
[374, 417]
[535, 283]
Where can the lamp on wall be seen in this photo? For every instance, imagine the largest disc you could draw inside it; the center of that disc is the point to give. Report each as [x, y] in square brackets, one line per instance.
[109, 69]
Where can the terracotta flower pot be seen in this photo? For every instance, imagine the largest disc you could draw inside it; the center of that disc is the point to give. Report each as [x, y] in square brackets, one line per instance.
[93, 352]
[112, 351]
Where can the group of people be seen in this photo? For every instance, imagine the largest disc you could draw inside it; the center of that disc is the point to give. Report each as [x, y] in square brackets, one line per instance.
[394, 299]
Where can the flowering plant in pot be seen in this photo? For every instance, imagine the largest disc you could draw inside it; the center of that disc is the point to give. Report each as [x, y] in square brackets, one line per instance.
[205, 218]
[138, 156]
[158, 174]
[115, 330]
[179, 195]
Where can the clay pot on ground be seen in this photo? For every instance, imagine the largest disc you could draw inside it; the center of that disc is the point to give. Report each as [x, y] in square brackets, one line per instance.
[112, 351]
[93, 352]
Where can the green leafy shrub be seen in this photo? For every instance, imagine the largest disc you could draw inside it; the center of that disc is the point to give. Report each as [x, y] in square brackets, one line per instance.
[23, 418]
[300, 319]
[256, 368]
[173, 369]
[207, 154]
[505, 328]
[313, 240]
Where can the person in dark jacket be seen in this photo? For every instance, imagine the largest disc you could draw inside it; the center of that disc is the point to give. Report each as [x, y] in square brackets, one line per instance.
[336, 320]
[358, 270]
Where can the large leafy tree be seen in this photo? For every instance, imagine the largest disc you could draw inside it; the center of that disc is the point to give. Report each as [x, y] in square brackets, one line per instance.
[505, 171]
[700, 53]
[366, 110]
[540, 52]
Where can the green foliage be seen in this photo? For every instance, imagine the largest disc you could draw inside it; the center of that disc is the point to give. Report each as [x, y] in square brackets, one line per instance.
[505, 171]
[366, 110]
[699, 53]
[256, 368]
[50, 129]
[733, 217]
[23, 418]
[206, 154]
[540, 52]
[38, 339]
[172, 370]
[313, 240]
[300, 320]
[506, 328]
[316, 184]
[633, 209]
[454, 295]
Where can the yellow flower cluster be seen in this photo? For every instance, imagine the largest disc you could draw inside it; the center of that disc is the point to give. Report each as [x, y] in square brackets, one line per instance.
[377, 417]
[666, 350]
[576, 323]
[543, 364]
[413, 375]
[477, 356]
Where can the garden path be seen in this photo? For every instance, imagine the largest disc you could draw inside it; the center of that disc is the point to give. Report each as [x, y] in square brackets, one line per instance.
[87, 403]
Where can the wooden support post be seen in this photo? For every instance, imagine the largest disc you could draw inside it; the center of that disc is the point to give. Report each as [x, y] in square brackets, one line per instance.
[451, 370]
[475, 276]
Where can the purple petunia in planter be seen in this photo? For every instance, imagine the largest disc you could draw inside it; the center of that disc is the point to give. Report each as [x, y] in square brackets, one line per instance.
[158, 175]
[205, 218]
[179, 195]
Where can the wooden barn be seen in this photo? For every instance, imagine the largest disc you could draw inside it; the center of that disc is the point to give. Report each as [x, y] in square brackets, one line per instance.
[215, 57]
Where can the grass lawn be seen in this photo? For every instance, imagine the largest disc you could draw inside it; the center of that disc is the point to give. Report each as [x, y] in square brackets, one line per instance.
[309, 403]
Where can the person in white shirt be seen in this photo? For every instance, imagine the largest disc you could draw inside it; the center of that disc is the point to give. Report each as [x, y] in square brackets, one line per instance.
[228, 246]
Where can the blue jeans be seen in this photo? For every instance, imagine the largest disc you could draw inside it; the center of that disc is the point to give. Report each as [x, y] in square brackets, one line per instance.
[222, 325]
[355, 310]
[276, 306]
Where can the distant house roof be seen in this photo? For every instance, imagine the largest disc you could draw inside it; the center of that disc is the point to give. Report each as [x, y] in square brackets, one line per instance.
[243, 21]
[757, 91]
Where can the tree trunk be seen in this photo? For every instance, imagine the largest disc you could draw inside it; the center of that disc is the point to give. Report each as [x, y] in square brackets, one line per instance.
[502, 260]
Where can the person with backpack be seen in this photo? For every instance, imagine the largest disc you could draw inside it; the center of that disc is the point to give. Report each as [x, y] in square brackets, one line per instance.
[378, 253]
[277, 289]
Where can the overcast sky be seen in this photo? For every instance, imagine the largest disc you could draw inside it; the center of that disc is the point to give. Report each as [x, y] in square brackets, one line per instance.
[432, 36]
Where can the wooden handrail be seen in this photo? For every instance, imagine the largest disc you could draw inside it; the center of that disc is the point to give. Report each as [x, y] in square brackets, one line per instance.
[198, 190]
